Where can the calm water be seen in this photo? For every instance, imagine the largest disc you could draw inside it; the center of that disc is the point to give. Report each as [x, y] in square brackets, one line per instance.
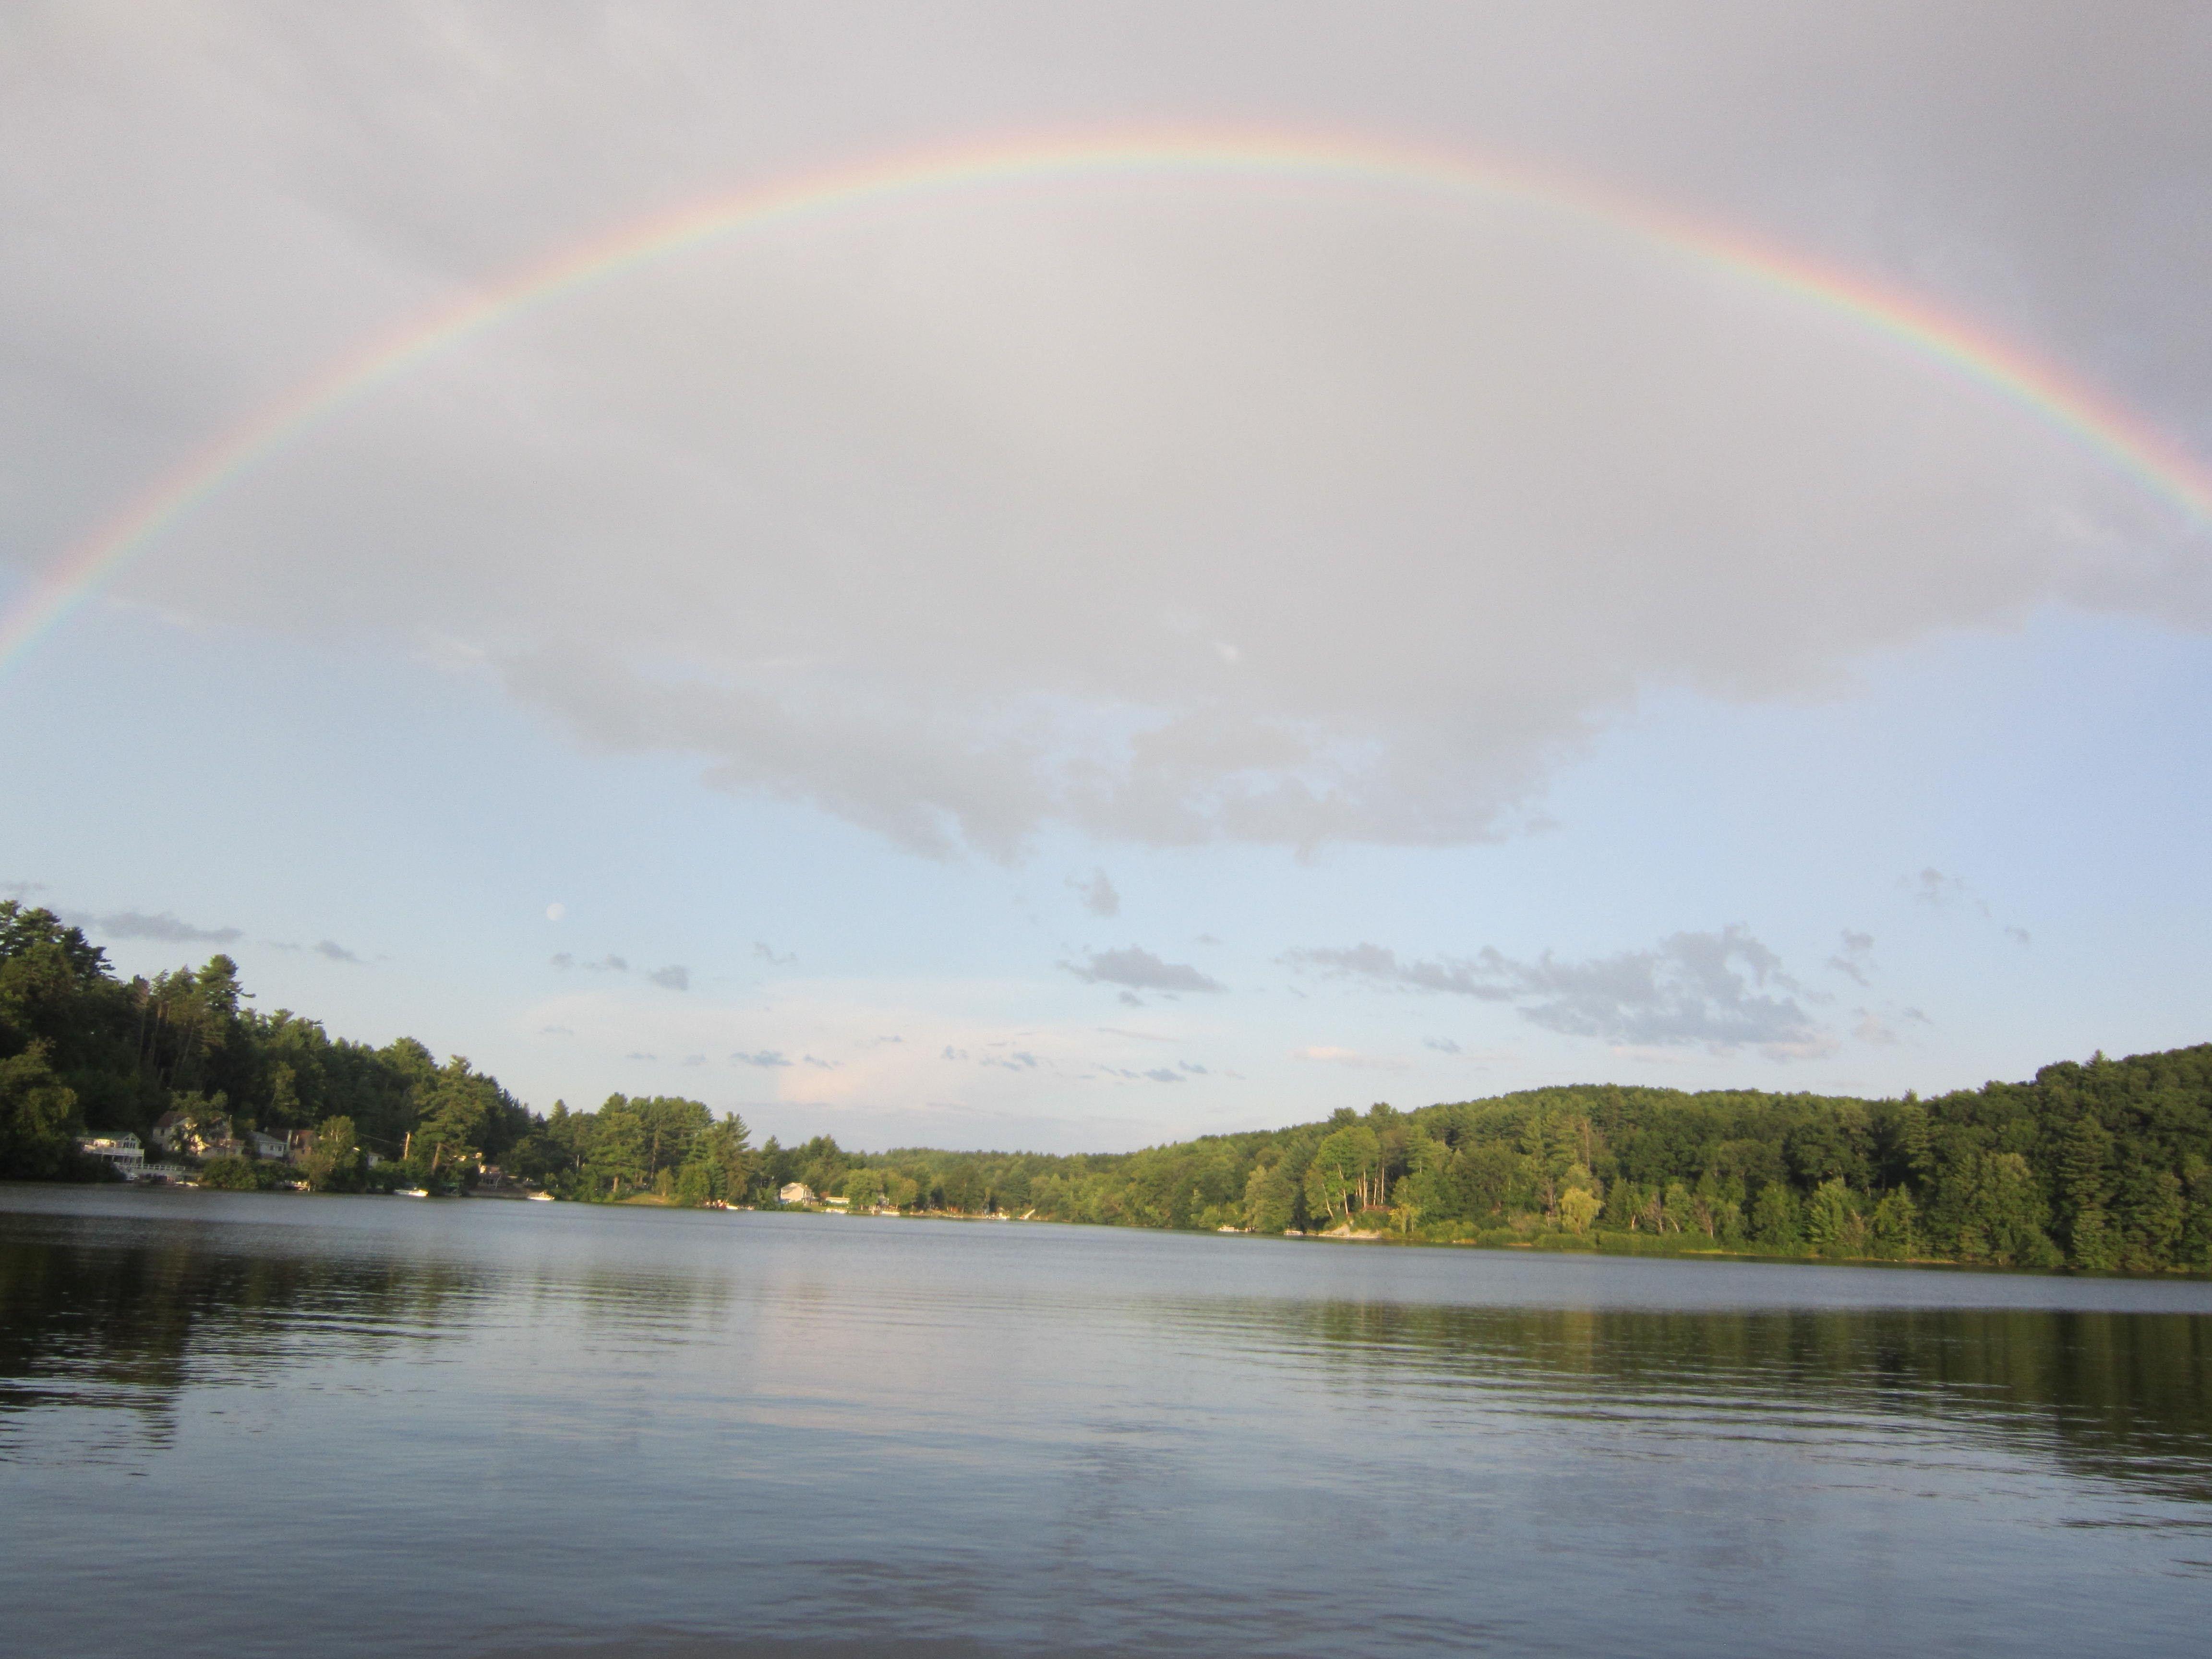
[258, 1424]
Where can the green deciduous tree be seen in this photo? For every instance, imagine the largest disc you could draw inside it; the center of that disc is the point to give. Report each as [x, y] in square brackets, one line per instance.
[1343, 1167]
[37, 1118]
[332, 1162]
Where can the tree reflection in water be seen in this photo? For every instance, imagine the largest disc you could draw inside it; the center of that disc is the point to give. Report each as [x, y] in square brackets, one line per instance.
[127, 1322]
[2125, 1395]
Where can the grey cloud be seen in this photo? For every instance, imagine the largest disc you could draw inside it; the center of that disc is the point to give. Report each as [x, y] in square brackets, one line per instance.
[1192, 1067]
[695, 1060]
[1484, 529]
[766, 954]
[1722, 990]
[1130, 999]
[1932, 887]
[639, 1055]
[1097, 894]
[764, 1058]
[335, 952]
[825, 1065]
[1872, 1029]
[1156, 1074]
[556, 1030]
[135, 924]
[674, 978]
[1481, 978]
[22, 890]
[1852, 960]
[1140, 970]
[1442, 1045]
[606, 965]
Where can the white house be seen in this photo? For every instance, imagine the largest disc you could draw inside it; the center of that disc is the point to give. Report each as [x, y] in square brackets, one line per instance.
[122, 1149]
[274, 1148]
[796, 1192]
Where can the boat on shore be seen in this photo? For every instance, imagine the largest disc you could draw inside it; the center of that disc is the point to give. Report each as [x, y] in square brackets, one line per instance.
[411, 1192]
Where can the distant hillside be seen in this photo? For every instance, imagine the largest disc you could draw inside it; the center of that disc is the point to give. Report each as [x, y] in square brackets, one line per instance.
[2105, 1164]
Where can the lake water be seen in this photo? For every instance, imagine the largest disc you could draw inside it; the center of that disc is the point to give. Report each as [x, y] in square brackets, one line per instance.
[255, 1423]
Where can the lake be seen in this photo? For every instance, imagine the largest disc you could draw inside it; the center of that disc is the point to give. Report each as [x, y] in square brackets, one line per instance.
[261, 1423]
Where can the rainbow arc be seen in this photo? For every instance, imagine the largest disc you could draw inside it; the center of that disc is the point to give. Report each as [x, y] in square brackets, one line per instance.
[2123, 437]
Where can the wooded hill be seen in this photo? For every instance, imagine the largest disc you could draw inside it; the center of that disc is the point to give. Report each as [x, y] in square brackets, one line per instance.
[2105, 1164]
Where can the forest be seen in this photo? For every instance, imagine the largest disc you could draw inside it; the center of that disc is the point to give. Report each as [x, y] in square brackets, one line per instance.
[2104, 1165]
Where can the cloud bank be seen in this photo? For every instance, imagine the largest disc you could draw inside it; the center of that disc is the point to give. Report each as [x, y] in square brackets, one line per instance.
[1723, 989]
[1373, 507]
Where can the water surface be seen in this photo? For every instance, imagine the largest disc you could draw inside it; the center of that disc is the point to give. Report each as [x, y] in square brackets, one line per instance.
[261, 1423]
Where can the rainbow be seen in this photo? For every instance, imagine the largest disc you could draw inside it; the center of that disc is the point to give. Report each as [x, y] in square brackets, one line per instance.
[2124, 439]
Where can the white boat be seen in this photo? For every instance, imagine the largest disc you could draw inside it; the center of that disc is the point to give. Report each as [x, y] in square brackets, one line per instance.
[541, 1198]
[410, 1191]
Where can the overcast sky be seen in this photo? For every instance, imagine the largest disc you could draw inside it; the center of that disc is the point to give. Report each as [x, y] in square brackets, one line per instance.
[1091, 660]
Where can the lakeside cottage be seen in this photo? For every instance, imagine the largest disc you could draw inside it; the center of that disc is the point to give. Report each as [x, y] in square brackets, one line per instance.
[124, 1151]
[277, 1149]
[796, 1192]
[196, 1137]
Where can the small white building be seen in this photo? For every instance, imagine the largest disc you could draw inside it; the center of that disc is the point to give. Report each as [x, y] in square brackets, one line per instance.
[122, 1149]
[275, 1148]
[796, 1192]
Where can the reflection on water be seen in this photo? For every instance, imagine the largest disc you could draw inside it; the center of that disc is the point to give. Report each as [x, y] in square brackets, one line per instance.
[2120, 1395]
[519, 1428]
[128, 1320]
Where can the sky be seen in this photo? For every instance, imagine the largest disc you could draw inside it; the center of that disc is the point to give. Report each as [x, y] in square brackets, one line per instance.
[1075, 656]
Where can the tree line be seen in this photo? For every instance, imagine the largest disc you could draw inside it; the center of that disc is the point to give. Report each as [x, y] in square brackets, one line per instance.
[2105, 1164]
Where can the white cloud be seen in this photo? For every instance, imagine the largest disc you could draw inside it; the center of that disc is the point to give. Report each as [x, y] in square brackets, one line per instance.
[1329, 1054]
